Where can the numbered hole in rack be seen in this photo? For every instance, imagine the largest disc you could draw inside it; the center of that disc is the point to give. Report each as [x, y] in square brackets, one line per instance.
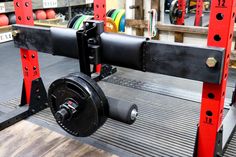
[97, 6]
[231, 36]
[19, 18]
[97, 16]
[26, 68]
[17, 4]
[226, 76]
[219, 16]
[211, 96]
[103, 5]
[33, 56]
[34, 68]
[233, 15]
[228, 56]
[209, 113]
[27, 4]
[217, 37]
[28, 17]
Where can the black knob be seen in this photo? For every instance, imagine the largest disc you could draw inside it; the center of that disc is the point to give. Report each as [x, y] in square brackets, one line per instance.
[62, 115]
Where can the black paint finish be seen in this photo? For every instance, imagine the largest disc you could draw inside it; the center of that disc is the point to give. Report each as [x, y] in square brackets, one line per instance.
[180, 60]
[184, 61]
[33, 38]
[38, 102]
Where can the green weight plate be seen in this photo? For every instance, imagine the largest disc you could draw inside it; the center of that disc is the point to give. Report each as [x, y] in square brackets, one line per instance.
[87, 17]
[114, 15]
[118, 18]
[78, 22]
[73, 20]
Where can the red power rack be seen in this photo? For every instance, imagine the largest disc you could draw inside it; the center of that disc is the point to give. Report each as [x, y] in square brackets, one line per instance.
[29, 58]
[213, 132]
[199, 10]
[34, 96]
[100, 14]
[182, 7]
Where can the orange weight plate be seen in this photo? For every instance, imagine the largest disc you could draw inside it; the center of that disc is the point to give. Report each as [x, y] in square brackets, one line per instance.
[110, 26]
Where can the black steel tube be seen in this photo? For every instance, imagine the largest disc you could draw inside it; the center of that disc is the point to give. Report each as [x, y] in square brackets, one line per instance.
[64, 42]
[122, 111]
[122, 50]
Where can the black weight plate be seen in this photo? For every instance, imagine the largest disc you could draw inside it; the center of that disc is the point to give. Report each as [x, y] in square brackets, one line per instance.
[172, 13]
[104, 107]
[96, 87]
[73, 20]
[98, 90]
[104, 104]
[110, 12]
[89, 117]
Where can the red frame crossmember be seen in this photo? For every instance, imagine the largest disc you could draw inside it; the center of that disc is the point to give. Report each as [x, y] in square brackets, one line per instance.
[182, 7]
[220, 34]
[29, 58]
[100, 14]
[199, 11]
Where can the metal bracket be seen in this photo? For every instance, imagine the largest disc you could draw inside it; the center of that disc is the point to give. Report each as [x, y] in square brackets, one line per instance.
[224, 135]
[88, 41]
[219, 143]
[91, 31]
[218, 146]
[234, 96]
[38, 102]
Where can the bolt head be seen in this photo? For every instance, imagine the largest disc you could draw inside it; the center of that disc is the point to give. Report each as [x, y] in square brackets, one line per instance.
[211, 62]
[15, 33]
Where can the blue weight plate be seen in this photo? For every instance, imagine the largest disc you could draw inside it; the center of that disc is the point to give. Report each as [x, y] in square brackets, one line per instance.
[122, 24]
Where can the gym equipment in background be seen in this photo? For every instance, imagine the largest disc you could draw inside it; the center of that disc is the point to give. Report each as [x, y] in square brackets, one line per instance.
[118, 16]
[41, 15]
[77, 23]
[51, 14]
[4, 21]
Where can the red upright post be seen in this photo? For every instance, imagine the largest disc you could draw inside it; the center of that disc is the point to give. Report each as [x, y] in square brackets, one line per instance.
[220, 34]
[100, 14]
[29, 58]
[182, 7]
[198, 17]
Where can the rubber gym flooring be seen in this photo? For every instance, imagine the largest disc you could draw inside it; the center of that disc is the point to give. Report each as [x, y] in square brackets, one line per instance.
[168, 107]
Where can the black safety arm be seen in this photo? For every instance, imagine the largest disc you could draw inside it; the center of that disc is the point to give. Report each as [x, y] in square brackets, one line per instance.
[181, 60]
